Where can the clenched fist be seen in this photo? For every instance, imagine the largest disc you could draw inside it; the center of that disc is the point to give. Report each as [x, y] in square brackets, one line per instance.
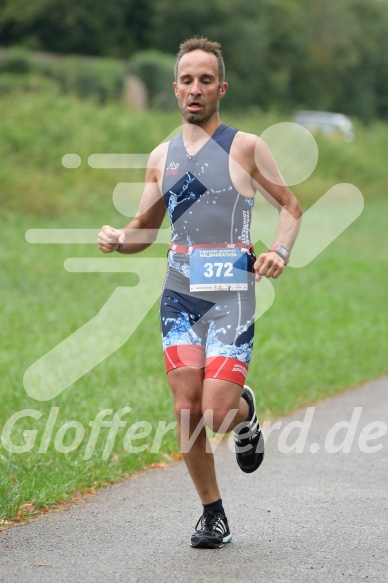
[109, 238]
[269, 264]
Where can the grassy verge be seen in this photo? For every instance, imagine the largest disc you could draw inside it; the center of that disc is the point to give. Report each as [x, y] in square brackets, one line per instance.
[323, 334]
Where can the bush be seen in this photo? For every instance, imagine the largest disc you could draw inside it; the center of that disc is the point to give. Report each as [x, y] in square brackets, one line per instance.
[15, 60]
[29, 83]
[156, 70]
[99, 79]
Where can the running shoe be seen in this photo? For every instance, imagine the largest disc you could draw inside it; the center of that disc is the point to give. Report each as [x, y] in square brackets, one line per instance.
[211, 531]
[248, 437]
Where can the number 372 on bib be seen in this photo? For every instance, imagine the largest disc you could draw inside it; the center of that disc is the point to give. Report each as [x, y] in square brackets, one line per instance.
[218, 269]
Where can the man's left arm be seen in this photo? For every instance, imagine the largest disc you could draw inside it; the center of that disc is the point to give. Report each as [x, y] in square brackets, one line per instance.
[267, 179]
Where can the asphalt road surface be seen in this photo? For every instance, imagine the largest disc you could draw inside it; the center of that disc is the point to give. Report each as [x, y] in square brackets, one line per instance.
[316, 511]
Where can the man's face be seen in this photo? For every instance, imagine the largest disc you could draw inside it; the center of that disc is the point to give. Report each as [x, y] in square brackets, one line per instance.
[197, 87]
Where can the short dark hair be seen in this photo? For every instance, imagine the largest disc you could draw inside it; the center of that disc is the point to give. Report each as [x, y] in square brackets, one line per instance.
[203, 44]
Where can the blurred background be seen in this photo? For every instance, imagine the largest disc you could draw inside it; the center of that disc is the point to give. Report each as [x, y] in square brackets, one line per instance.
[280, 54]
[95, 76]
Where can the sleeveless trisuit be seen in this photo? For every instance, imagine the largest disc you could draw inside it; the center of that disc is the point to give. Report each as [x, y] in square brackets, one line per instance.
[208, 329]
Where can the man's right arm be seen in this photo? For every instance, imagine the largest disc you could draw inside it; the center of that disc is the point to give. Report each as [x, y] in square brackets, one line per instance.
[142, 231]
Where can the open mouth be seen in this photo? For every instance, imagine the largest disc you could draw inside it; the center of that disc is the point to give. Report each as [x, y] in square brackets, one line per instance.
[194, 105]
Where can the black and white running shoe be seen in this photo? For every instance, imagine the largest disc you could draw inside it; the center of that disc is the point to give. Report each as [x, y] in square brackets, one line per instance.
[248, 437]
[211, 531]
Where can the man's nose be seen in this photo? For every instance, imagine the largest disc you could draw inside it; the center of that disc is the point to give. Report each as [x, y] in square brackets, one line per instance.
[196, 88]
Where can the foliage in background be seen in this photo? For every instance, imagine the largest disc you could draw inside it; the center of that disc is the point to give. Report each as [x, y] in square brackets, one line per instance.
[280, 54]
[156, 70]
[320, 54]
[99, 79]
[88, 27]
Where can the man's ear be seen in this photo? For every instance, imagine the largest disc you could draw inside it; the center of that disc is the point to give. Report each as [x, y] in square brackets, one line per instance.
[175, 89]
[223, 89]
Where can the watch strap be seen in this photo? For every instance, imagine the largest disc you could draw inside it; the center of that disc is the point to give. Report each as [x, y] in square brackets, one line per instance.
[282, 251]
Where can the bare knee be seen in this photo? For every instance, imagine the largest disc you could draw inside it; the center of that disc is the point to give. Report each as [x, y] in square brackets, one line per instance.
[221, 404]
[186, 387]
[221, 419]
[187, 410]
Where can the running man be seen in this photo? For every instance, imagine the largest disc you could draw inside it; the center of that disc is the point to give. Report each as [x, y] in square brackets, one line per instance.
[206, 178]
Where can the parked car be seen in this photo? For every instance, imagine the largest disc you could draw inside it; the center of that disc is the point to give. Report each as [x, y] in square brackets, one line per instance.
[330, 124]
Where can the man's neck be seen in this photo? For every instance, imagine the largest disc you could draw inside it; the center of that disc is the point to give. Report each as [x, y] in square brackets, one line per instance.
[209, 127]
[194, 134]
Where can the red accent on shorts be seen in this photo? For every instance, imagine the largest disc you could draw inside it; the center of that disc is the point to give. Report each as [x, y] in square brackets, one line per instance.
[217, 367]
[184, 355]
[227, 369]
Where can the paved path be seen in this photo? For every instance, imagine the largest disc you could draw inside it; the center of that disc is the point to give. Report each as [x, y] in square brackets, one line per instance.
[303, 517]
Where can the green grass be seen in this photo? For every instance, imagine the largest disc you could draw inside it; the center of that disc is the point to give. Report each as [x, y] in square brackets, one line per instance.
[324, 333]
[326, 329]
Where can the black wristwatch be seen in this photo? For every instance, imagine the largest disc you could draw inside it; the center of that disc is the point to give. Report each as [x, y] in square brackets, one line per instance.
[282, 251]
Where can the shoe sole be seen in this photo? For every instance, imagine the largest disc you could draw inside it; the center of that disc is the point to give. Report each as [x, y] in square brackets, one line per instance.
[261, 438]
[206, 544]
[260, 446]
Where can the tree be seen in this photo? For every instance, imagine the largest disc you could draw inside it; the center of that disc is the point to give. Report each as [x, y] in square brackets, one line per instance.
[320, 54]
[89, 27]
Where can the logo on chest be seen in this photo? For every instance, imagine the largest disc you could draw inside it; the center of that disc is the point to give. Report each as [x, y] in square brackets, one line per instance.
[172, 169]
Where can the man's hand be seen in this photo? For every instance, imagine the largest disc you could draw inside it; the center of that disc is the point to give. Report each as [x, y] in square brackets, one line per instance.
[110, 238]
[269, 264]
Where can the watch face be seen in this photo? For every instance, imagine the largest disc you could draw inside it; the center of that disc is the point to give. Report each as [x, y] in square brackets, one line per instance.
[282, 251]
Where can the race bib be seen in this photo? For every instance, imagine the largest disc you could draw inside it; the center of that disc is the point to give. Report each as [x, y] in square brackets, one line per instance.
[218, 269]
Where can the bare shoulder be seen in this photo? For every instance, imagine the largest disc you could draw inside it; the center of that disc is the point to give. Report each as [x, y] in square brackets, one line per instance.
[250, 144]
[158, 155]
[252, 152]
[244, 149]
[156, 162]
[245, 142]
